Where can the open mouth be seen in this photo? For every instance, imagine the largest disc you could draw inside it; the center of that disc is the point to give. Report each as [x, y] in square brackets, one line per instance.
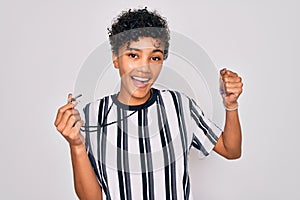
[139, 81]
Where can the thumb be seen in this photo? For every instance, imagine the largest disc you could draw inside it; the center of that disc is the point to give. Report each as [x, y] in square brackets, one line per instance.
[69, 97]
[222, 71]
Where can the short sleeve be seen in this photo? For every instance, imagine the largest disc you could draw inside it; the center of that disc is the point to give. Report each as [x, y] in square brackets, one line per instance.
[205, 132]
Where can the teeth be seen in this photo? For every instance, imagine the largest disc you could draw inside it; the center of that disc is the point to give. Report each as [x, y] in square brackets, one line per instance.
[141, 79]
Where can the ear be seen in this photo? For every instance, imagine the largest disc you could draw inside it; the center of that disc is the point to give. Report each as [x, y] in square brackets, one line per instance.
[115, 60]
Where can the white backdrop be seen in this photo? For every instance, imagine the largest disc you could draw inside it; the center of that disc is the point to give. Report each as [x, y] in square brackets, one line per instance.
[43, 44]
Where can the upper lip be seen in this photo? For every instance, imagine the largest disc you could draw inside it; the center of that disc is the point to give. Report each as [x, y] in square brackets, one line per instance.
[139, 78]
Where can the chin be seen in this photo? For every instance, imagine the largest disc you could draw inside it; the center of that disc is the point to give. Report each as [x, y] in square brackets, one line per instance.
[141, 93]
[137, 95]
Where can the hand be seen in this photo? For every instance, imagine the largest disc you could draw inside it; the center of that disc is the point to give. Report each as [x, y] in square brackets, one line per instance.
[68, 123]
[233, 87]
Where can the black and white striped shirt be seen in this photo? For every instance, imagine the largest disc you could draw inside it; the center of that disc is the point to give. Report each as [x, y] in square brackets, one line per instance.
[141, 152]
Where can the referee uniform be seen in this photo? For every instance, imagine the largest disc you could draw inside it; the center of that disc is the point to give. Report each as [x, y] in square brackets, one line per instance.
[142, 152]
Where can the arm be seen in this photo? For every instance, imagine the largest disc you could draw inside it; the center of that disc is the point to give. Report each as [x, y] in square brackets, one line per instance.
[86, 184]
[230, 142]
[68, 123]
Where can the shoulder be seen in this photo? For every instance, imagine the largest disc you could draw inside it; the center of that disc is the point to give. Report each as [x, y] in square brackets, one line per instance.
[173, 99]
[96, 104]
[174, 95]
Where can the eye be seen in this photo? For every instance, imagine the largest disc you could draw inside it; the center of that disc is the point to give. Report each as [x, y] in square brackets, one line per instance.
[156, 58]
[132, 55]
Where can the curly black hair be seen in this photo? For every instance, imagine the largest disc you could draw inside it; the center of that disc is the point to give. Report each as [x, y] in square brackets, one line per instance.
[132, 24]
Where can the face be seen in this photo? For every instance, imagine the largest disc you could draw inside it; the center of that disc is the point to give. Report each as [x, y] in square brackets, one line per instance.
[139, 65]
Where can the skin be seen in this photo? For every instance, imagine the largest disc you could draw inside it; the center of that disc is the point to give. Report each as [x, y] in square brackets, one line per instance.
[68, 123]
[230, 142]
[142, 60]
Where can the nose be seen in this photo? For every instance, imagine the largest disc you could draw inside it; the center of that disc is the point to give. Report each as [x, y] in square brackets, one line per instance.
[144, 66]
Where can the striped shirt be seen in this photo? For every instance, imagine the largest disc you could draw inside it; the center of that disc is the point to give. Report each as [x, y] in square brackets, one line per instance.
[142, 152]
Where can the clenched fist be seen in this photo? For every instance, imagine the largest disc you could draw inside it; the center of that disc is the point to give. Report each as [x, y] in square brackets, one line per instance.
[231, 89]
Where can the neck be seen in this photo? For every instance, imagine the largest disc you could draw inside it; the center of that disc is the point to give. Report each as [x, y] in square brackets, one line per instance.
[133, 99]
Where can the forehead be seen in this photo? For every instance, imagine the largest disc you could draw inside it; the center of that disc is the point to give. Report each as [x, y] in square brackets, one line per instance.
[144, 43]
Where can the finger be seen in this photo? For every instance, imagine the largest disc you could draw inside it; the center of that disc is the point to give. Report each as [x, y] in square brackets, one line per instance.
[234, 90]
[74, 131]
[65, 117]
[222, 71]
[233, 85]
[70, 97]
[73, 119]
[62, 109]
[232, 79]
[74, 136]
[77, 126]
[61, 112]
[227, 72]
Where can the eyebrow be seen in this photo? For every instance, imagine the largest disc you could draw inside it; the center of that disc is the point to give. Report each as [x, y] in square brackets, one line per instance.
[136, 49]
[158, 50]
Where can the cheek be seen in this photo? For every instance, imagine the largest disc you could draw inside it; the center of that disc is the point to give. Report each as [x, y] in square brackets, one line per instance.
[156, 70]
[125, 67]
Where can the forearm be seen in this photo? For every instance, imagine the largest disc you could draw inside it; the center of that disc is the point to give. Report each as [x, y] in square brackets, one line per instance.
[232, 135]
[229, 144]
[86, 184]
